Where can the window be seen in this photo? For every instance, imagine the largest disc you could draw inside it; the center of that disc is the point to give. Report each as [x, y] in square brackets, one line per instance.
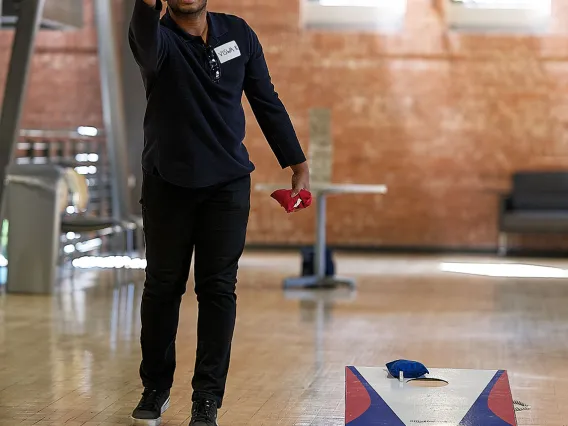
[499, 15]
[507, 4]
[376, 15]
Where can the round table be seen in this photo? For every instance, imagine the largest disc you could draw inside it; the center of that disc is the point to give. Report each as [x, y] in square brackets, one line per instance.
[320, 191]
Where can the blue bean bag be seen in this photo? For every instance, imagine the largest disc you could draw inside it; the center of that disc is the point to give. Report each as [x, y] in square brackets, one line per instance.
[410, 369]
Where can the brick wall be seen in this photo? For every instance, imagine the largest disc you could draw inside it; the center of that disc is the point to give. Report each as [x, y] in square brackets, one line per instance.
[443, 119]
[64, 89]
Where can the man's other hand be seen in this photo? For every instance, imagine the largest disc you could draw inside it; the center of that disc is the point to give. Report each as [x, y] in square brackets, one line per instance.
[300, 178]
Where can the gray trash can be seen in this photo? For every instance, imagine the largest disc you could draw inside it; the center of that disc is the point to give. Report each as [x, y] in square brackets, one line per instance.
[34, 201]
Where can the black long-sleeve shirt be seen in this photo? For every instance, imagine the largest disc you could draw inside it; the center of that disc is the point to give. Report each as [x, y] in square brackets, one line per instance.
[194, 126]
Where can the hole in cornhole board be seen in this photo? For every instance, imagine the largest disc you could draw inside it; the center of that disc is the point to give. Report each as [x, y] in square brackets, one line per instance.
[427, 382]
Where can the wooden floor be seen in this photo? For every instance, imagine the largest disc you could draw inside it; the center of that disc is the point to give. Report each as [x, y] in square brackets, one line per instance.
[72, 359]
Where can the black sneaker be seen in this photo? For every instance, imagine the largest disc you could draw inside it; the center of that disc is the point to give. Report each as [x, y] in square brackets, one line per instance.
[151, 407]
[204, 413]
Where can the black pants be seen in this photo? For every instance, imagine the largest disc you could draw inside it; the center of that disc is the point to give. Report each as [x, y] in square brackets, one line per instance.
[213, 222]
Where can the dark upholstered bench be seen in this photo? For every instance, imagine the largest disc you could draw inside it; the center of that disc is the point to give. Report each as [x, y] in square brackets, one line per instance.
[537, 203]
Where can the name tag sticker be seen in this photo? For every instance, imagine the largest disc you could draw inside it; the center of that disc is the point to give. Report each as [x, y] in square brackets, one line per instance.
[228, 51]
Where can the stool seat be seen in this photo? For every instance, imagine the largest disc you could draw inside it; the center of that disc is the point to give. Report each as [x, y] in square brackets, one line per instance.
[86, 224]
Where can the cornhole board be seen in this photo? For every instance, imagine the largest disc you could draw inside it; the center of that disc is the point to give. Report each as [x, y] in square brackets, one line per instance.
[470, 398]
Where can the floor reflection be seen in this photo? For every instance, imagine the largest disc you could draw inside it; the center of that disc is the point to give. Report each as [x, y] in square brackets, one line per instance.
[3, 278]
[316, 306]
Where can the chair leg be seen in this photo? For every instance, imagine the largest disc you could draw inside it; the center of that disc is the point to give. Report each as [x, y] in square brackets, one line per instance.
[502, 250]
[140, 243]
[129, 242]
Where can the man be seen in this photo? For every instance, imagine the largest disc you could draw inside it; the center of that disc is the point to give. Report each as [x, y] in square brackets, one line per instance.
[196, 190]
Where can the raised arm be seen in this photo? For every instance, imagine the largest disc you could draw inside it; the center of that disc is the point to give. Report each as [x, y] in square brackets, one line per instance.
[268, 109]
[146, 41]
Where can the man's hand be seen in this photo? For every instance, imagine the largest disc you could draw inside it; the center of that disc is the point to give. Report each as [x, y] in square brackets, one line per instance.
[151, 3]
[300, 178]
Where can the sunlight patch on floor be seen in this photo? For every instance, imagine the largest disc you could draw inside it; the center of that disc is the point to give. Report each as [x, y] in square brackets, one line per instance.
[507, 270]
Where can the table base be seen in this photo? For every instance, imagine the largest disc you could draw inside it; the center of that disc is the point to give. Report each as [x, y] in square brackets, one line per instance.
[312, 282]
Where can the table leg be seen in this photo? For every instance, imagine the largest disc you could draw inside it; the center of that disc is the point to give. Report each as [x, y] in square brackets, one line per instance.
[319, 279]
[320, 246]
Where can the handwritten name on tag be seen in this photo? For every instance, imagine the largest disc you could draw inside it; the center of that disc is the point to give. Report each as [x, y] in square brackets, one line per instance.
[228, 51]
